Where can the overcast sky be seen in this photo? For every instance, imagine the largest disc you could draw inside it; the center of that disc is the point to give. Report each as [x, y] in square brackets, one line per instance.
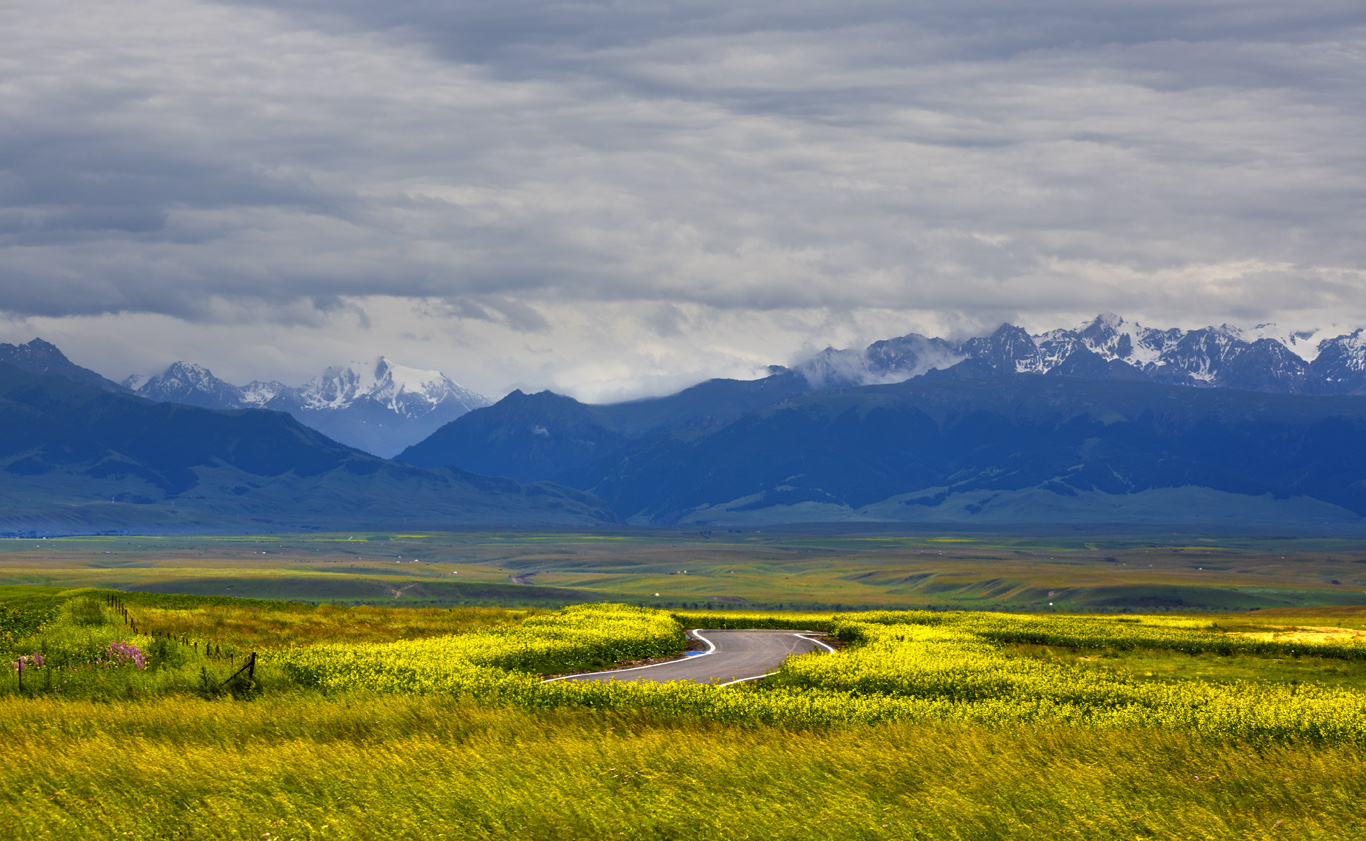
[612, 199]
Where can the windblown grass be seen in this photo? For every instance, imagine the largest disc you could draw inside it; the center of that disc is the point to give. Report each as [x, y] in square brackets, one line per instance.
[279, 625]
[393, 724]
[192, 644]
[365, 767]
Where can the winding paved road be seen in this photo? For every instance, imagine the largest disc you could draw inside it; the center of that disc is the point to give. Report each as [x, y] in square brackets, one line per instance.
[734, 656]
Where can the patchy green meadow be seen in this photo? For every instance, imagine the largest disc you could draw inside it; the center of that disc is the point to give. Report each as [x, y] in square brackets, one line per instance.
[720, 570]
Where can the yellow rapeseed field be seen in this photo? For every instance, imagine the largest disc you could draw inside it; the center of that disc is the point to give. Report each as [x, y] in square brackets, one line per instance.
[922, 725]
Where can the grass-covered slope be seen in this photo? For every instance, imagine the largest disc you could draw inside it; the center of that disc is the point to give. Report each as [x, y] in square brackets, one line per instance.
[75, 459]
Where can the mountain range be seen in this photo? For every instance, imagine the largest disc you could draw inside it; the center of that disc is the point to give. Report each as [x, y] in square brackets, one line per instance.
[379, 407]
[1263, 358]
[982, 450]
[1110, 423]
[1014, 449]
[77, 458]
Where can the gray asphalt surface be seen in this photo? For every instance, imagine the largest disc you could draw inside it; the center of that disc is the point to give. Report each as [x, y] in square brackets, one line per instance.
[739, 655]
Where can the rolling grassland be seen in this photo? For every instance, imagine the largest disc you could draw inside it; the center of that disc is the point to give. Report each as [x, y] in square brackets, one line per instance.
[1141, 573]
[435, 723]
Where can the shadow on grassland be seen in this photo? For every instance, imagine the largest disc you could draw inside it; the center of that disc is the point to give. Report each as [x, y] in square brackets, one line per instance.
[370, 591]
[1177, 597]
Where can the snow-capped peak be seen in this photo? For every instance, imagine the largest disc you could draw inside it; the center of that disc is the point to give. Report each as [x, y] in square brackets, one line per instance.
[379, 406]
[1112, 337]
[399, 388]
[1264, 357]
[410, 392]
[185, 382]
[392, 380]
[338, 386]
[1303, 343]
[188, 373]
[1344, 353]
[178, 376]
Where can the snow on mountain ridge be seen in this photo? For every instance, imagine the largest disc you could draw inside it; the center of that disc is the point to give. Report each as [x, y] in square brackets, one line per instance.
[1197, 353]
[257, 394]
[337, 387]
[406, 391]
[1111, 337]
[409, 392]
[378, 406]
[881, 363]
[187, 374]
[1264, 357]
[400, 381]
[1349, 350]
[1303, 343]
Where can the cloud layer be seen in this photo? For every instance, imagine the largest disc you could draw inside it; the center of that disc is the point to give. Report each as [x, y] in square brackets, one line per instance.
[652, 172]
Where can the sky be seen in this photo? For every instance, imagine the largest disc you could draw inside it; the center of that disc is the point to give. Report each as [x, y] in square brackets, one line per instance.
[619, 199]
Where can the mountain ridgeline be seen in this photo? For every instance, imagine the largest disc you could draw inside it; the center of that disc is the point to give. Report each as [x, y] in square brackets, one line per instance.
[1108, 424]
[1263, 358]
[379, 407]
[546, 434]
[75, 459]
[40, 357]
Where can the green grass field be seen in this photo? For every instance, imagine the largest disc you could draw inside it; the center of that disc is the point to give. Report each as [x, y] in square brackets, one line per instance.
[726, 570]
[420, 714]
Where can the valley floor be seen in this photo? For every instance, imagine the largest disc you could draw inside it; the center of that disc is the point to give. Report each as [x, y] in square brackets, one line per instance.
[730, 569]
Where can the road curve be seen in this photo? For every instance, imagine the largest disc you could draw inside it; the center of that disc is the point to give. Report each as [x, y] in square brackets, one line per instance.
[735, 656]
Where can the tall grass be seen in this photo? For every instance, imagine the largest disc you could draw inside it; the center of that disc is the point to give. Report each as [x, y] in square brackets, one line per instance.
[188, 645]
[299, 766]
[264, 626]
[925, 726]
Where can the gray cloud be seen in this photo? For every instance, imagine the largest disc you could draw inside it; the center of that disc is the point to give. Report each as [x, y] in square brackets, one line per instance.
[667, 320]
[496, 162]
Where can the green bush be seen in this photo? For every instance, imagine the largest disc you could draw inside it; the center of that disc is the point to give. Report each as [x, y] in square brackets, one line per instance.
[85, 612]
[165, 653]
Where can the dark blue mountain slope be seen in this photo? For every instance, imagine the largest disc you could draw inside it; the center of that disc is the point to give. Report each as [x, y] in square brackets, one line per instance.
[535, 436]
[944, 436]
[73, 458]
